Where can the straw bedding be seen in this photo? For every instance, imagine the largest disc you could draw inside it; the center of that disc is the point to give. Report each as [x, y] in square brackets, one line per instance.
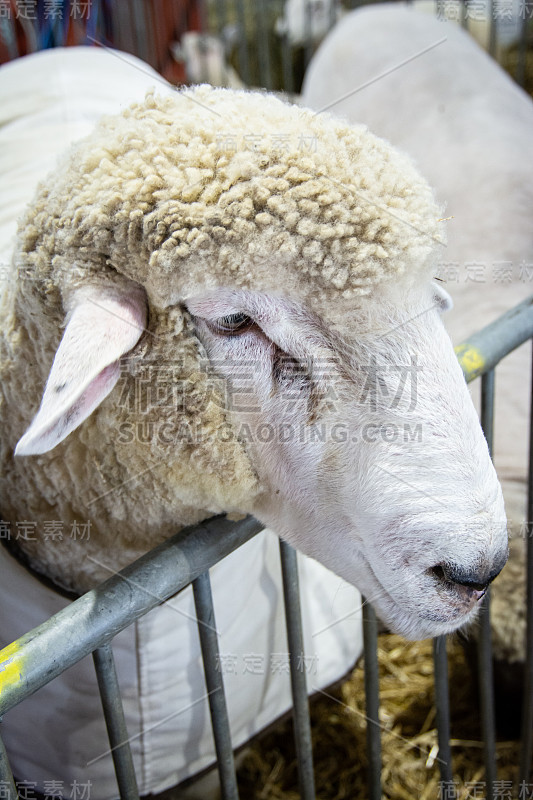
[409, 738]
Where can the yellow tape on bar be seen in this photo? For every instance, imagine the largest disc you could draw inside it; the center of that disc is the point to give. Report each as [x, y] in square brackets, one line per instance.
[10, 666]
[470, 359]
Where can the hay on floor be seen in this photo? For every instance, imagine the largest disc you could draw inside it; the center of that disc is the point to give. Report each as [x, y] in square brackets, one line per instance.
[409, 738]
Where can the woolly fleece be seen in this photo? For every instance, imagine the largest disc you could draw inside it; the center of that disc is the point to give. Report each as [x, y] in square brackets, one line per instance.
[206, 188]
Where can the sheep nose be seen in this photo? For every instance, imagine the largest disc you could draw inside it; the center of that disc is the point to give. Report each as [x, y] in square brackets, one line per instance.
[472, 582]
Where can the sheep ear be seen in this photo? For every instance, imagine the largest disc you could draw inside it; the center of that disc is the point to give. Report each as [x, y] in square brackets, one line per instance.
[102, 326]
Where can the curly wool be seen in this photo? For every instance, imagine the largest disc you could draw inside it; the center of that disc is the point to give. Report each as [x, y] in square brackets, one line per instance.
[181, 194]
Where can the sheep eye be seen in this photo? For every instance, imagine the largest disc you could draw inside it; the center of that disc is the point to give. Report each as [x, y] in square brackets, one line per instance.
[233, 324]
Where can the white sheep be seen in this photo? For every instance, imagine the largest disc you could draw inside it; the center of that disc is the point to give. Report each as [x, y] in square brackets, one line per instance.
[304, 21]
[468, 127]
[308, 21]
[477, 18]
[204, 58]
[265, 309]
[46, 102]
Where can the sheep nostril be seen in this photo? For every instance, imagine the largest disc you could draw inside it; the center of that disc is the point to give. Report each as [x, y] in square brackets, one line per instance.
[474, 585]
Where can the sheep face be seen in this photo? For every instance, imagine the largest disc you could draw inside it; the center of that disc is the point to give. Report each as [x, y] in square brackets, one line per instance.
[367, 449]
[367, 445]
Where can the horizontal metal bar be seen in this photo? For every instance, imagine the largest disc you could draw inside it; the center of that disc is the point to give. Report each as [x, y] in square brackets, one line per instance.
[106, 675]
[205, 613]
[301, 720]
[482, 351]
[96, 617]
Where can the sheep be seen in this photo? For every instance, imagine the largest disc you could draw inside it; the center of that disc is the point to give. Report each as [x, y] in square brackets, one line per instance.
[307, 20]
[46, 102]
[468, 127]
[260, 306]
[477, 18]
[204, 57]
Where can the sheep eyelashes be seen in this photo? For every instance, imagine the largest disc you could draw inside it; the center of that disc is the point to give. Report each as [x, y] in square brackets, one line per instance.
[102, 327]
[233, 324]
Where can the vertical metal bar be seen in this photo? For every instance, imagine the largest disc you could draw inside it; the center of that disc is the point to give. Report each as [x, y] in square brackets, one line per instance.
[442, 702]
[205, 614]
[244, 55]
[7, 784]
[486, 696]
[202, 12]
[106, 676]
[522, 47]
[203, 42]
[527, 706]
[463, 10]
[137, 30]
[486, 682]
[332, 16]
[265, 71]
[492, 28]
[308, 32]
[286, 64]
[373, 730]
[302, 723]
[221, 17]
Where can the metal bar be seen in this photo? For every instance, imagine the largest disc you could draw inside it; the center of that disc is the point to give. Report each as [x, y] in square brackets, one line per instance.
[486, 696]
[442, 702]
[221, 16]
[332, 16]
[463, 15]
[492, 28]
[307, 11]
[487, 407]
[302, 723]
[244, 55]
[263, 52]
[286, 64]
[205, 614]
[527, 708]
[485, 672]
[484, 349]
[7, 784]
[522, 48]
[106, 675]
[96, 617]
[373, 730]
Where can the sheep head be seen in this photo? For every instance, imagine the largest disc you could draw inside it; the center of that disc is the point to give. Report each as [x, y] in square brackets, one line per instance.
[286, 297]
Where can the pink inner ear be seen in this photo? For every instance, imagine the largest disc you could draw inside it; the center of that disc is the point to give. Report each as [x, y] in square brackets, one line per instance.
[103, 326]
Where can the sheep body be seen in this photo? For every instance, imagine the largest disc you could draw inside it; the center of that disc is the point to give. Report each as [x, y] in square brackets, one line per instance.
[310, 20]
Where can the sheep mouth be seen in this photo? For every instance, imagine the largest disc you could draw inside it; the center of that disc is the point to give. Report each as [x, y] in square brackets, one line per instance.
[414, 622]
